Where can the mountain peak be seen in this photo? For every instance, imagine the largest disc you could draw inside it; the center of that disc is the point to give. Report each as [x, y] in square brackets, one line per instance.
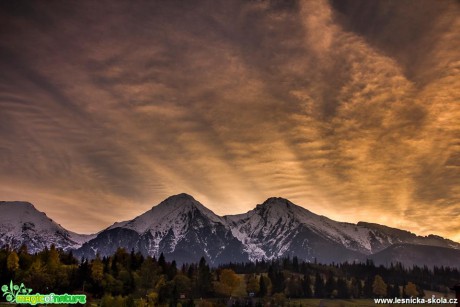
[180, 197]
[277, 201]
[171, 211]
[177, 201]
[276, 209]
[279, 205]
[18, 204]
[17, 209]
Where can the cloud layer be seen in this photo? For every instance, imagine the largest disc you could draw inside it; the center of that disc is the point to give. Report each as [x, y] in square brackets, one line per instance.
[348, 109]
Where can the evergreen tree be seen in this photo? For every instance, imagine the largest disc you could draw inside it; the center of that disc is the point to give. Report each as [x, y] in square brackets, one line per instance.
[395, 291]
[295, 264]
[319, 286]
[367, 289]
[342, 288]
[296, 287]
[25, 259]
[204, 282]
[306, 286]
[172, 270]
[356, 290]
[278, 283]
[263, 291]
[271, 273]
[330, 286]
[162, 262]
[136, 260]
[83, 274]
[390, 291]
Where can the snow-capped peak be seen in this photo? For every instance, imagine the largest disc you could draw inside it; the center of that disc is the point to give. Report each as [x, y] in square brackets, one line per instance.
[175, 212]
[181, 203]
[21, 222]
[16, 214]
[278, 207]
[174, 217]
[280, 219]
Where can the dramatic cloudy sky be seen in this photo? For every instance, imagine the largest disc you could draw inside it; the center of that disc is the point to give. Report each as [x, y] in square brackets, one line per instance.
[349, 108]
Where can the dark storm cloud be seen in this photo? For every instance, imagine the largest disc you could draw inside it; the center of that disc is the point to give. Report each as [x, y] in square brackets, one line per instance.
[119, 105]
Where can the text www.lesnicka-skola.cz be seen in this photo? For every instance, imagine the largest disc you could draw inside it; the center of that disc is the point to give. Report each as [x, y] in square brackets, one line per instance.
[416, 300]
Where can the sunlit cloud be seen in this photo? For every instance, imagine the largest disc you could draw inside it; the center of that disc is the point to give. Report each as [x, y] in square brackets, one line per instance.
[117, 105]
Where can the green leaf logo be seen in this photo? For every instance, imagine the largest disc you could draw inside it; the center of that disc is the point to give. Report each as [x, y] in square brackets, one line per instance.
[13, 290]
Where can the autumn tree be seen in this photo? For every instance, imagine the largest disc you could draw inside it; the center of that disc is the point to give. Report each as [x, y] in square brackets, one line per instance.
[97, 269]
[228, 282]
[12, 262]
[229, 278]
[52, 261]
[410, 289]
[107, 301]
[379, 287]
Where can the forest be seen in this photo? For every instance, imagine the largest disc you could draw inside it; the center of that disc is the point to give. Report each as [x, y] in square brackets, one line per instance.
[131, 279]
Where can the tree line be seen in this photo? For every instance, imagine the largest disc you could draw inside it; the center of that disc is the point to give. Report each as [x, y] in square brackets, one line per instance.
[131, 279]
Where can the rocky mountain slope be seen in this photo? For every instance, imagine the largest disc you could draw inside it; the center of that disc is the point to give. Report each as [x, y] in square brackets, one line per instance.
[279, 228]
[179, 227]
[21, 223]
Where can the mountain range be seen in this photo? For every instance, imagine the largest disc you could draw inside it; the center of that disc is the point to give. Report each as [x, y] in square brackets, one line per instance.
[183, 229]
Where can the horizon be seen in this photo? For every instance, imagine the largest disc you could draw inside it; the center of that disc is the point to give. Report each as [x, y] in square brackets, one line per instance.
[346, 108]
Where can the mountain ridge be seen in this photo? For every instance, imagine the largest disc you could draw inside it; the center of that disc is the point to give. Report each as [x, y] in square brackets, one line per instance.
[184, 229]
